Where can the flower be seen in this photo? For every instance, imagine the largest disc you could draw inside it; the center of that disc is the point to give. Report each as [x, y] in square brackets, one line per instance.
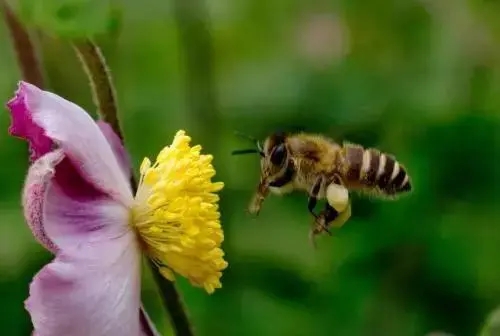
[78, 202]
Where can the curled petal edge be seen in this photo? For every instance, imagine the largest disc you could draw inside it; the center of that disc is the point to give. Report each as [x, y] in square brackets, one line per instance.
[38, 180]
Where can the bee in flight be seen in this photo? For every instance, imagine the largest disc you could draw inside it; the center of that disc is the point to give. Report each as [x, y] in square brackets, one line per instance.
[325, 170]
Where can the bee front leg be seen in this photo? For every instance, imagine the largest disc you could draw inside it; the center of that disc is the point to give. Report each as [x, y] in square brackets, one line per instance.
[258, 198]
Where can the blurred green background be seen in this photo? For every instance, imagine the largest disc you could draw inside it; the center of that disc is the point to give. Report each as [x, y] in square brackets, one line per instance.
[417, 78]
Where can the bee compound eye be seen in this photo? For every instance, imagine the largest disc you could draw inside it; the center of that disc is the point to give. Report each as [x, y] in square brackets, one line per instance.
[278, 155]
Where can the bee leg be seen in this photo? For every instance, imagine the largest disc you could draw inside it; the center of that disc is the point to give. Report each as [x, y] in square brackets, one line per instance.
[320, 223]
[313, 232]
[258, 198]
[312, 238]
[329, 218]
[313, 196]
[339, 219]
[316, 230]
[328, 215]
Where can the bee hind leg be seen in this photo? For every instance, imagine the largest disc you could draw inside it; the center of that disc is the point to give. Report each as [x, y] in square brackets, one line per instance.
[327, 219]
[327, 216]
[320, 223]
[341, 218]
[316, 230]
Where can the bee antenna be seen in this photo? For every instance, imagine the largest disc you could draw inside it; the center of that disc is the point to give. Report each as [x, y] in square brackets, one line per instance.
[247, 151]
[259, 146]
[245, 136]
[252, 139]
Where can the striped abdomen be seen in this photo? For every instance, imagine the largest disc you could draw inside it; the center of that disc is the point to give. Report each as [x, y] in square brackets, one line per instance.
[374, 170]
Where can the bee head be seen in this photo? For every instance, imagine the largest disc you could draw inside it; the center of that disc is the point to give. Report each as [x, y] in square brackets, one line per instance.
[274, 153]
[274, 161]
[275, 149]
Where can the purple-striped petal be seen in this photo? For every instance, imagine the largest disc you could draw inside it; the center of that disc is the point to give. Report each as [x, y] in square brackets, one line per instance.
[39, 115]
[72, 221]
[62, 209]
[91, 289]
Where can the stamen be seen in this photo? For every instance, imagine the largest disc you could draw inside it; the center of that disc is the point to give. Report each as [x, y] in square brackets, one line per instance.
[176, 214]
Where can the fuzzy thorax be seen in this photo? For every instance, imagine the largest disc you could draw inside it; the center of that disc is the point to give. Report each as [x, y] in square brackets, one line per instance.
[176, 214]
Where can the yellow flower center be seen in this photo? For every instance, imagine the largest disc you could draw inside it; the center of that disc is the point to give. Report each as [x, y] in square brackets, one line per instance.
[176, 214]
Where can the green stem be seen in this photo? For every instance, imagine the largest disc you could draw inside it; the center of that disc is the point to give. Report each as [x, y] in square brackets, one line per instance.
[146, 321]
[101, 82]
[24, 48]
[173, 302]
[194, 34]
[105, 98]
[193, 22]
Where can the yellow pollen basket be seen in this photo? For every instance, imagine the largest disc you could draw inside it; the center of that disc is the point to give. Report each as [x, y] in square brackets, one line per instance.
[176, 214]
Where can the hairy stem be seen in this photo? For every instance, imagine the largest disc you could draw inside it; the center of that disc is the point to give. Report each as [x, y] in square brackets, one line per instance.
[24, 48]
[105, 98]
[103, 91]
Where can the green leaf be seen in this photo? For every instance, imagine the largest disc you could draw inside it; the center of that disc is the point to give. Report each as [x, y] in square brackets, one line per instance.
[72, 18]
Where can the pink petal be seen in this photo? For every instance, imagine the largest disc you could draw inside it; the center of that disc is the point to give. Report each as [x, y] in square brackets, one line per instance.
[63, 209]
[75, 216]
[71, 128]
[92, 289]
[114, 141]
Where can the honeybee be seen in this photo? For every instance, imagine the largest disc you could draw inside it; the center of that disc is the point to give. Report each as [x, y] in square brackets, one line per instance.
[324, 169]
